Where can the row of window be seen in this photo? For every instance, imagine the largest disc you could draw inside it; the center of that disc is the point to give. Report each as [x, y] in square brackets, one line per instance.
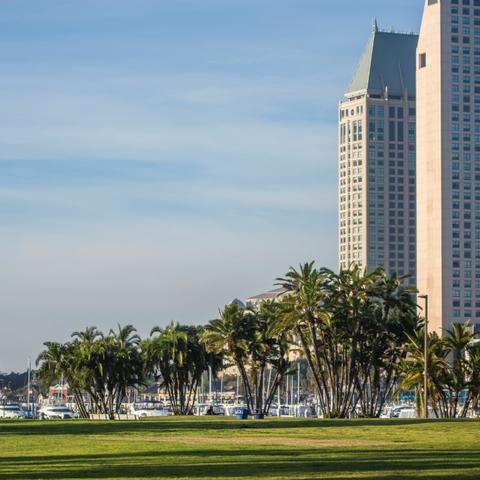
[398, 112]
[467, 314]
[475, 3]
[358, 110]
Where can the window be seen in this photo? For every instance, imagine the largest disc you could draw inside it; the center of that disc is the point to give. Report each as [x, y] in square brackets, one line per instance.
[422, 60]
[391, 132]
[432, 2]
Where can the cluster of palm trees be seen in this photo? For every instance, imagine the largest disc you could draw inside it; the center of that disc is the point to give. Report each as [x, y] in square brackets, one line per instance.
[178, 357]
[100, 368]
[358, 332]
[352, 328]
[453, 371]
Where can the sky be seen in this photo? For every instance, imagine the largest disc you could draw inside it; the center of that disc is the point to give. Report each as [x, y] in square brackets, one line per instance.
[159, 158]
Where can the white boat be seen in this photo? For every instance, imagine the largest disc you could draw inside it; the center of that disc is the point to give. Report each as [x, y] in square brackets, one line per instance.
[202, 409]
[12, 410]
[230, 410]
[408, 413]
[412, 413]
[56, 412]
[149, 409]
[395, 412]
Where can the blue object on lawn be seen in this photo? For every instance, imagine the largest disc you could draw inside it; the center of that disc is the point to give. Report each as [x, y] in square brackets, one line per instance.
[241, 413]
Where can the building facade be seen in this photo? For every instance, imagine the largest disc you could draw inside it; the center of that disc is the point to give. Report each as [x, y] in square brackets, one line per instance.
[377, 157]
[448, 161]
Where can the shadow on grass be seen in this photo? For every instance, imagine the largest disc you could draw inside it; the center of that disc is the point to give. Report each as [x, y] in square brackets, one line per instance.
[210, 463]
[185, 453]
[192, 424]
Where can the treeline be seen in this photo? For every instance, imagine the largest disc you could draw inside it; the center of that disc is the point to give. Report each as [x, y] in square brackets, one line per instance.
[100, 368]
[11, 382]
[358, 332]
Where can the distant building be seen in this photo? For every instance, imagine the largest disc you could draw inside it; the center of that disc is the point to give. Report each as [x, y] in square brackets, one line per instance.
[59, 393]
[377, 136]
[448, 161]
[256, 300]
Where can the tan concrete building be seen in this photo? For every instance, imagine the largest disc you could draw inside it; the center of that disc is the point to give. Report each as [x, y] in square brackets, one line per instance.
[377, 160]
[448, 161]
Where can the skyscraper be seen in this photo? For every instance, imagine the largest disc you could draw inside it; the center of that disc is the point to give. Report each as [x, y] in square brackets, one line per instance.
[377, 157]
[448, 160]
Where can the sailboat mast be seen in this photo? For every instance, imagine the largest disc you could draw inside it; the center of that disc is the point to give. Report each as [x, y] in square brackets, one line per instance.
[29, 382]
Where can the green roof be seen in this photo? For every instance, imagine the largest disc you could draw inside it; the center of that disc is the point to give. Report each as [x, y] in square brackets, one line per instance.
[387, 61]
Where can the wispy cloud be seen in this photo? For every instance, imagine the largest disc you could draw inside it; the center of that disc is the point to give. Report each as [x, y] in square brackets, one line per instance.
[158, 159]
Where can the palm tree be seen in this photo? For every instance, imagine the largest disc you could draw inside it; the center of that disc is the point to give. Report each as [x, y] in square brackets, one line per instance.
[229, 335]
[393, 317]
[276, 352]
[349, 326]
[125, 365]
[453, 370]
[245, 336]
[176, 354]
[89, 335]
[457, 344]
[306, 318]
[61, 361]
[473, 376]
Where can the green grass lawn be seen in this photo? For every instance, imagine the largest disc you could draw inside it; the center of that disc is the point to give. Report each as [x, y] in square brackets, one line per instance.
[219, 448]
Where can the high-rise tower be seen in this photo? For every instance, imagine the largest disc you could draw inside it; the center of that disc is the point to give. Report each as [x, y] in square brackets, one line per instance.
[448, 160]
[377, 157]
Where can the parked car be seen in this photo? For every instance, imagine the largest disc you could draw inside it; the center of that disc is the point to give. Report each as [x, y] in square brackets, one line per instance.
[56, 412]
[12, 410]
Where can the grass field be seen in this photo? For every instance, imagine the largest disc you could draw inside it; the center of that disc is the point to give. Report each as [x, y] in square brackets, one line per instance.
[219, 448]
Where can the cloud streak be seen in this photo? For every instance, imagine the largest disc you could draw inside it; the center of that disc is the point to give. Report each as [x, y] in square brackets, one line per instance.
[158, 159]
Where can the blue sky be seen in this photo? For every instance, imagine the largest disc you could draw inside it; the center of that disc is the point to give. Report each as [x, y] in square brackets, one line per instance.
[160, 157]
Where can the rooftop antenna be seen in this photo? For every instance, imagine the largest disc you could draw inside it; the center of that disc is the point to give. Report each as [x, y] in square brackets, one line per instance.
[375, 25]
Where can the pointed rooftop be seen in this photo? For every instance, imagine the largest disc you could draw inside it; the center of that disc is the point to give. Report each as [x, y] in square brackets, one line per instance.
[388, 61]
